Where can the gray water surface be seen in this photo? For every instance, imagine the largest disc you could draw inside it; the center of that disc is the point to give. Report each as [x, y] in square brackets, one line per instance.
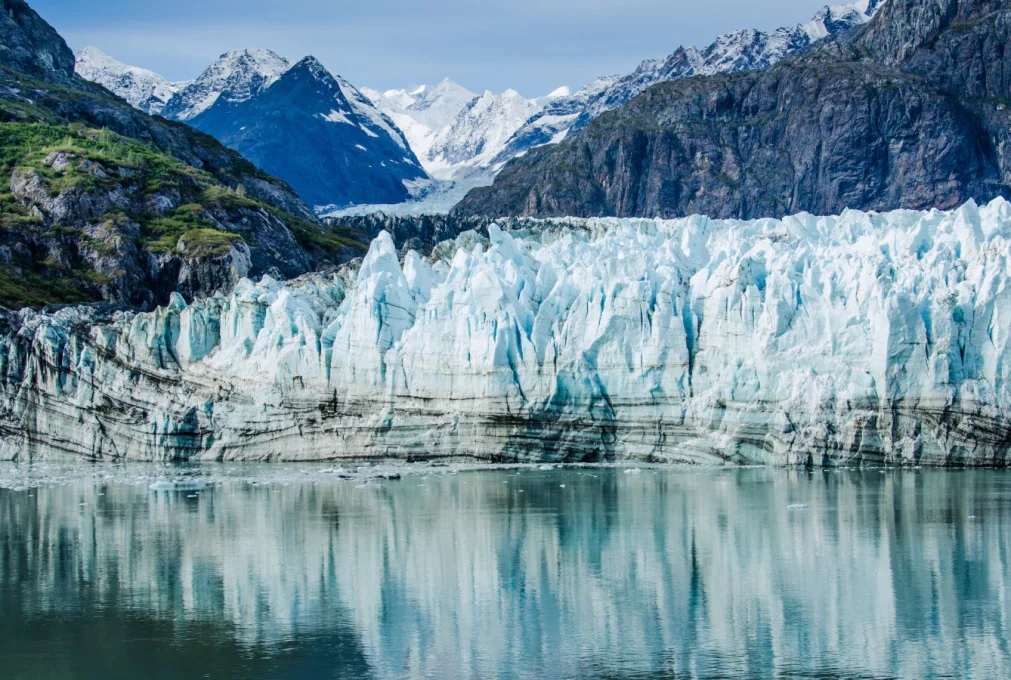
[566, 573]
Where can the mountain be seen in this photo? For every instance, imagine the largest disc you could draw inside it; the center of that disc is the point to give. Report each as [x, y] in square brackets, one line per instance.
[101, 202]
[909, 111]
[234, 78]
[143, 89]
[434, 107]
[746, 50]
[454, 132]
[320, 134]
[479, 132]
[30, 46]
[458, 138]
[300, 123]
[422, 113]
[859, 339]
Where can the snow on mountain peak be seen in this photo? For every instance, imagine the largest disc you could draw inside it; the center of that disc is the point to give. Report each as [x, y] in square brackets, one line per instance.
[738, 51]
[301, 123]
[141, 88]
[313, 66]
[454, 131]
[236, 76]
[364, 106]
[479, 131]
[422, 113]
[92, 57]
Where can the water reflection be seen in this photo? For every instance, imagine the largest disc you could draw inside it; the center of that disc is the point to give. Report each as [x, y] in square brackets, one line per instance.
[567, 573]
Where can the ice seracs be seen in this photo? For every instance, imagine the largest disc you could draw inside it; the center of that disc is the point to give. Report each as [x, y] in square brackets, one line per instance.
[860, 338]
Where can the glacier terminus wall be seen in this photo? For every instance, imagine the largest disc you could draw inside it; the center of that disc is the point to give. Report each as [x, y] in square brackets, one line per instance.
[860, 338]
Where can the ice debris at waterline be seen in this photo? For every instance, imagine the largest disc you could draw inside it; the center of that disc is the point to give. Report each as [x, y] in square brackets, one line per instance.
[858, 338]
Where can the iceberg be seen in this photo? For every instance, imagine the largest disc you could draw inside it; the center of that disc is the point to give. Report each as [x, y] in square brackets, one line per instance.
[850, 339]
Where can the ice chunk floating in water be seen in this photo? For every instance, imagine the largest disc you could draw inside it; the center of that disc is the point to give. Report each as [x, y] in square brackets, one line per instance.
[811, 340]
[177, 486]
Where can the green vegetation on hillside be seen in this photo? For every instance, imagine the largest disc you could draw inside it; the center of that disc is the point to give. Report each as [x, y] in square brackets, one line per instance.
[137, 185]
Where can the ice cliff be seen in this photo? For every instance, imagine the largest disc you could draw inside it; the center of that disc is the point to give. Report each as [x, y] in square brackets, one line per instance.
[859, 338]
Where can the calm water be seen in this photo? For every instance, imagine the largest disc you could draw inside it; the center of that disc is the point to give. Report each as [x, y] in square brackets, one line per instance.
[587, 573]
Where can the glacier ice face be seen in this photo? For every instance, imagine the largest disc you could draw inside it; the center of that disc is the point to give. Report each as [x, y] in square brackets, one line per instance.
[860, 338]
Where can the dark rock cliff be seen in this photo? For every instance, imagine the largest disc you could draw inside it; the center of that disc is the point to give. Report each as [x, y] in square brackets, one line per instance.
[31, 46]
[911, 111]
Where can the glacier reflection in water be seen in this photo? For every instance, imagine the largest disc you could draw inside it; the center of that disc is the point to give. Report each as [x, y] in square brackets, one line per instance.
[524, 573]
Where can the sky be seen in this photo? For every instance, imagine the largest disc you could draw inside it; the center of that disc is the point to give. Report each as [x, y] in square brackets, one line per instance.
[532, 46]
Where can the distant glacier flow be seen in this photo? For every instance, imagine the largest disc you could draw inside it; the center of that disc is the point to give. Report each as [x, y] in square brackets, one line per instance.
[859, 338]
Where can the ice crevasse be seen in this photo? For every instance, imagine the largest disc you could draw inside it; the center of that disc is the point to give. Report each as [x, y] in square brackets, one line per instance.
[859, 338]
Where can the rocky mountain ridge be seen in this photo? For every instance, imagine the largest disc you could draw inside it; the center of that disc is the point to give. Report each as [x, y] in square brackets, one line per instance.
[319, 133]
[745, 50]
[142, 89]
[461, 139]
[908, 111]
[235, 77]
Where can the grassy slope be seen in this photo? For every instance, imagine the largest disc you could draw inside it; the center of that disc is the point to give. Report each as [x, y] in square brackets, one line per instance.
[104, 161]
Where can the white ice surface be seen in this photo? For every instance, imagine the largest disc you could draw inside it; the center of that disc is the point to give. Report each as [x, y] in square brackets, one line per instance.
[876, 336]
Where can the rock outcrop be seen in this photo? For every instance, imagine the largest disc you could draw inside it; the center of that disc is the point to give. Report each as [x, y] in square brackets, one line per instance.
[30, 45]
[863, 338]
[909, 111]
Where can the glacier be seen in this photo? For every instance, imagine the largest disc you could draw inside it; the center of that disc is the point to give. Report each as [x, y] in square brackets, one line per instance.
[861, 338]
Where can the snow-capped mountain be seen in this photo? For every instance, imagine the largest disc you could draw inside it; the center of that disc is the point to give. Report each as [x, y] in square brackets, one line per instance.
[301, 123]
[455, 132]
[480, 131]
[422, 113]
[745, 50]
[487, 131]
[435, 107]
[320, 134]
[143, 89]
[460, 139]
[234, 78]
